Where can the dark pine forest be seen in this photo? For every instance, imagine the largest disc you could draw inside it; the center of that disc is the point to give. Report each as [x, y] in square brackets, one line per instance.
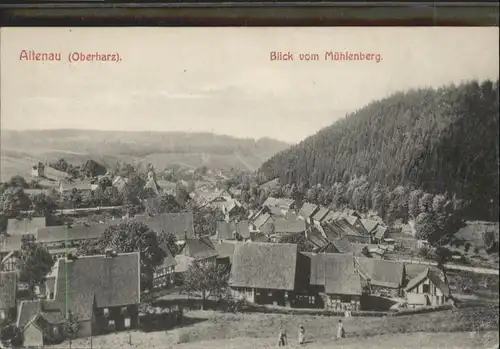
[439, 141]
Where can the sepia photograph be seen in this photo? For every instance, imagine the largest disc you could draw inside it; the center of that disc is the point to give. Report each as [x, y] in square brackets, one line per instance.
[299, 187]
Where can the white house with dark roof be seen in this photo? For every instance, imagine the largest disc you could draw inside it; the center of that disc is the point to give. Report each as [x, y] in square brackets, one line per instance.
[426, 289]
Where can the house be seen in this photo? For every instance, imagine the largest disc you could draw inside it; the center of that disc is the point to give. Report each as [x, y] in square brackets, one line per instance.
[225, 252]
[307, 211]
[40, 322]
[230, 208]
[196, 249]
[152, 185]
[357, 224]
[164, 275]
[179, 224]
[260, 221]
[289, 226]
[38, 170]
[426, 289]
[67, 185]
[320, 215]
[57, 239]
[350, 212]
[283, 204]
[8, 290]
[382, 277]
[379, 234]
[342, 228]
[199, 249]
[370, 225]
[25, 225]
[232, 230]
[316, 238]
[102, 291]
[267, 273]
[335, 281]
[9, 251]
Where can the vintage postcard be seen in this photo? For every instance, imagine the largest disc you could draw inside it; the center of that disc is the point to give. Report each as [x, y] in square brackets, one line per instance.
[249, 188]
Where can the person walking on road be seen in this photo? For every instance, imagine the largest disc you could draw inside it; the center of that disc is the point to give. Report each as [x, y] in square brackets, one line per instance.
[340, 330]
[302, 333]
[282, 339]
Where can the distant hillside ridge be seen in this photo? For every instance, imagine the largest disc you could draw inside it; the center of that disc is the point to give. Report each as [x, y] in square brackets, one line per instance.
[442, 140]
[21, 149]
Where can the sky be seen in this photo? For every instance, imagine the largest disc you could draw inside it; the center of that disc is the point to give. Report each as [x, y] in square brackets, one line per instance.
[222, 80]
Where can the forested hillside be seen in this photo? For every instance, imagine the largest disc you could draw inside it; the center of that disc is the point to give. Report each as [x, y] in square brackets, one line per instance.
[442, 141]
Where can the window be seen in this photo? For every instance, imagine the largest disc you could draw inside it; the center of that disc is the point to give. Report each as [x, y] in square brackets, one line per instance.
[2, 314]
[55, 330]
[127, 322]
[111, 324]
[426, 288]
[124, 310]
[105, 311]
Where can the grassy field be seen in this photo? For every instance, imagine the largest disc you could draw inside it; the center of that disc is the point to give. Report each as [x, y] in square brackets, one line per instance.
[472, 328]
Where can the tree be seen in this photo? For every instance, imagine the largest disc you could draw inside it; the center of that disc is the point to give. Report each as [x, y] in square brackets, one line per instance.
[130, 237]
[43, 205]
[105, 182]
[13, 201]
[171, 241]
[206, 280]
[71, 326]
[426, 225]
[35, 263]
[18, 182]
[181, 195]
[413, 203]
[489, 238]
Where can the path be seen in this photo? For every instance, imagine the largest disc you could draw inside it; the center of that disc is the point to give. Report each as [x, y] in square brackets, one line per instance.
[449, 266]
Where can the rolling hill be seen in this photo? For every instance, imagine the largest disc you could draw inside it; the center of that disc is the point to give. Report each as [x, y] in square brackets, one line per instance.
[441, 140]
[21, 149]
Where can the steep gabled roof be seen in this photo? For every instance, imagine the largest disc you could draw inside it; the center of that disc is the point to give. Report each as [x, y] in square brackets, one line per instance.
[225, 230]
[242, 227]
[308, 210]
[226, 249]
[261, 220]
[10, 243]
[315, 236]
[199, 248]
[283, 225]
[370, 225]
[432, 276]
[264, 265]
[70, 233]
[8, 288]
[336, 272]
[107, 281]
[321, 214]
[381, 272]
[24, 226]
[380, 232]
[169, 259]
[179, 224]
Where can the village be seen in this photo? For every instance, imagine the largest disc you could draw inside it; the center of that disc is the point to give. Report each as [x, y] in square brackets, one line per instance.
[191, 239]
